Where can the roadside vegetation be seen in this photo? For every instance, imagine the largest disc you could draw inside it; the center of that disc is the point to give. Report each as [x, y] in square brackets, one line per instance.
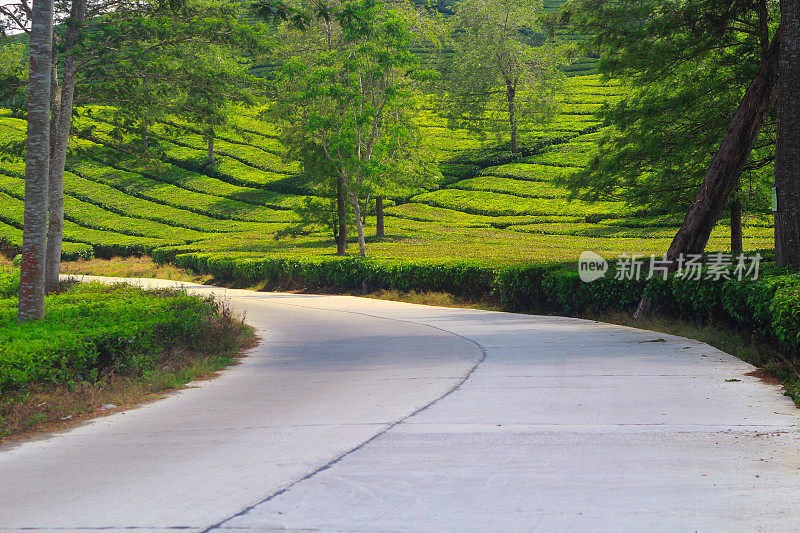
[102, 345]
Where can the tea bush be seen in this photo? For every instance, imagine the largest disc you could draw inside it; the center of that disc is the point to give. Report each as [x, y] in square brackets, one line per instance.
[92, 327]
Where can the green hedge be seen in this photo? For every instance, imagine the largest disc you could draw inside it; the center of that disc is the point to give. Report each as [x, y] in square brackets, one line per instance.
[769, 306]
[461, 279]
[70, 251]
[93, 326]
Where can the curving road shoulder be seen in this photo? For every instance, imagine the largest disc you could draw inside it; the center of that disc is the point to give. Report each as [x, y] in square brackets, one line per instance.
[365, 415]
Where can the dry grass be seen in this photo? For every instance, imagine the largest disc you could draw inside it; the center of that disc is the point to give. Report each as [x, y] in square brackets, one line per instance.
[438, 299]
[129, 267]
[48, 408]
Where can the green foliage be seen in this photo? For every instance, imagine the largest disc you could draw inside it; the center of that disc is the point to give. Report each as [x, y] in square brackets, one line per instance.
[13, 78]
[347, 107]
[151, 62]
[9, 282]
[499, 74]
[236, 206]
[94, 327]
[498, 204]
[686, 68]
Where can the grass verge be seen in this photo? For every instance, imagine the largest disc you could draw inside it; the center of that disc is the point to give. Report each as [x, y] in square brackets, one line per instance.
[129, 267]
[103, 349]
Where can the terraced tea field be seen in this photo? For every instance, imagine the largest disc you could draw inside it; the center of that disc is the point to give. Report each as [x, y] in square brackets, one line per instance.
[480, 210]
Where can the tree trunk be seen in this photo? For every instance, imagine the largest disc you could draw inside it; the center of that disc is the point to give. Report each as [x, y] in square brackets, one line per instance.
[210, 160]
[511, 94]
[55, 101]
[737, 247]
[37, 163]
[379, 216]
[55, 226]
[356, 205]
[727, 166]
[55, 188]
[341, 214]
[763, 26]
[787, 151]
[362, 245]
[145, 135]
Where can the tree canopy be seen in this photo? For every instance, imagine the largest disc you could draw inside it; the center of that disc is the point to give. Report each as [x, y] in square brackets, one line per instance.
[686, 65]
[346, 99]
[501, 72]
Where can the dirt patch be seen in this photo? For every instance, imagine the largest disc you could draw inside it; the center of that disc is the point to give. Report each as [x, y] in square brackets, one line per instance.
[765, 376]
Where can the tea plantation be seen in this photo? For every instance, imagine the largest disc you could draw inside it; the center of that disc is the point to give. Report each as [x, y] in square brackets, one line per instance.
[488, 205]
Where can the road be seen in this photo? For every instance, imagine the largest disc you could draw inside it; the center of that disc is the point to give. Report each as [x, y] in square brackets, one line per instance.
[356, 414]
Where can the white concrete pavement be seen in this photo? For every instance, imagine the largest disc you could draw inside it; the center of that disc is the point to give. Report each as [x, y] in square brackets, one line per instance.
[366, 415]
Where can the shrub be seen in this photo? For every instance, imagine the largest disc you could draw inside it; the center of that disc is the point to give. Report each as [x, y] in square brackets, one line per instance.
[92, 327]
[458, 278]
[9, 282]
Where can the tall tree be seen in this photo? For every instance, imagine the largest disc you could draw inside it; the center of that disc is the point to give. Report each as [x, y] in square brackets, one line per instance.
[723, 174]
[686, 66]
[353, 100]
[787, 157]
[499, 70]
[37, 163]
[61, 124]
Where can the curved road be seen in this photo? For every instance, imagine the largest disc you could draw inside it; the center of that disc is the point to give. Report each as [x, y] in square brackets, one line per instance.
[365, 415]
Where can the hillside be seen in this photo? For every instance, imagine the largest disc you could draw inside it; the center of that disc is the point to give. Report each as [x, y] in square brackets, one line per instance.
[487, 207]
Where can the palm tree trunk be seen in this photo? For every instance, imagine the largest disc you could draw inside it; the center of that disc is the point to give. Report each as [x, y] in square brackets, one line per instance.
[55, 225]
[37, 163]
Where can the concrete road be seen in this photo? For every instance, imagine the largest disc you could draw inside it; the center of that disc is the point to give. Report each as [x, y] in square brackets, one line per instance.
[365, 415]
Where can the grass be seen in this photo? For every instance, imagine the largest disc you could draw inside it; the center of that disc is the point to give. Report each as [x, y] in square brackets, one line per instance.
[437, 299]
[129, 267]
[101, 344]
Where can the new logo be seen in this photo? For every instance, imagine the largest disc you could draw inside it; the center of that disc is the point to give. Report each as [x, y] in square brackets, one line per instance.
[591, 266]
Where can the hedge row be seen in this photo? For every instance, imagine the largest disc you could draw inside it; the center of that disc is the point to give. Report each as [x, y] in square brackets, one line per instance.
[769, 305]
[70, 251]
[349, 274]
[92, 327]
